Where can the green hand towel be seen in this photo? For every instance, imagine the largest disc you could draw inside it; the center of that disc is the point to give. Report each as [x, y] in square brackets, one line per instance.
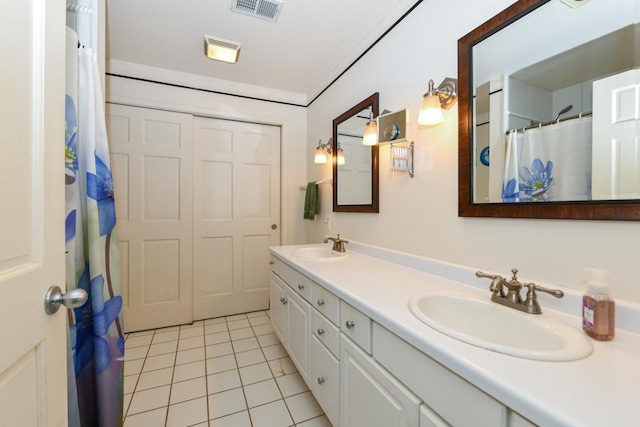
[311, 202]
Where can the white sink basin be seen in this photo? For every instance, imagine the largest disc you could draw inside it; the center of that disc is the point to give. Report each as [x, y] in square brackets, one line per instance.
[491, 326]
[321, 254]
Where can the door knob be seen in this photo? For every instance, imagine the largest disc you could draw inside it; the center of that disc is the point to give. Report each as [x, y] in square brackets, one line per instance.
[72, 299]
[274, 226]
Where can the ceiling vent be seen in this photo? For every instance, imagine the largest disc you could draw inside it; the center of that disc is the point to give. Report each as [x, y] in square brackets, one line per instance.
[221, 49]
[269, 10]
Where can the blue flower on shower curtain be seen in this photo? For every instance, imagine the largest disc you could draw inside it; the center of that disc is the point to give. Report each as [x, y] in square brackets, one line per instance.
[100, 188]
[92, 323]
[509, 193]
[71, 140]
[536, 181]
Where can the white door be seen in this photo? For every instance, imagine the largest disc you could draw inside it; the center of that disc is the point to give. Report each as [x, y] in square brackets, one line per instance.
[33, 357]
[616, 137]
[151, 160]
[236, 215]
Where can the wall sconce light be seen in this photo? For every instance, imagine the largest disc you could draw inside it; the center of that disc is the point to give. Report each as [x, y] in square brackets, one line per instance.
[444, 96]
[341, 160]
[370, 136]
[322, 150]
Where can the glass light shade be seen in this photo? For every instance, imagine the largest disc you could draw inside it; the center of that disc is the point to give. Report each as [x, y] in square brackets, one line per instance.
[321, 156]
[370, 136]
[430, 111]
[341, 160]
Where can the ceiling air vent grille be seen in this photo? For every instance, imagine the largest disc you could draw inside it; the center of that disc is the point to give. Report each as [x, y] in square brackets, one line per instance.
[269, 10]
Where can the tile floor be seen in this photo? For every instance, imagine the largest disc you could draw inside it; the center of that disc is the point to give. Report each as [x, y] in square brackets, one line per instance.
[224, 372]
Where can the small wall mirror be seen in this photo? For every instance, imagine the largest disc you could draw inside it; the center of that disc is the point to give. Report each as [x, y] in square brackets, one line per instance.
[355, 183]
[550, 112]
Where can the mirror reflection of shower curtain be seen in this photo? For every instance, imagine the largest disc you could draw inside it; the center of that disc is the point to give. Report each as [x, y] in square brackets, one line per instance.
[549, 163]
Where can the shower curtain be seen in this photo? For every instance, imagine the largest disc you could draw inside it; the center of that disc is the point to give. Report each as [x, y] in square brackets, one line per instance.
[549, 163]
[96, 339]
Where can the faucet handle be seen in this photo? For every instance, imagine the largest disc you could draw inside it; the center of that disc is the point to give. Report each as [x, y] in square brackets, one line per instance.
[532, 298]
[486, 275]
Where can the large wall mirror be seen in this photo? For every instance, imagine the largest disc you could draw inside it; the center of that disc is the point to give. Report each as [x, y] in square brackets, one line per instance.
[355, 181]
[549, 113]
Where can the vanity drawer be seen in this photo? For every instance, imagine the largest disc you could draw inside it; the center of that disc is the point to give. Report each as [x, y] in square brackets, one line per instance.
[356, 326]
[441, 389]
[326, 303]
[325, 380]
[326, 332]
[302, 285]
[286, 273]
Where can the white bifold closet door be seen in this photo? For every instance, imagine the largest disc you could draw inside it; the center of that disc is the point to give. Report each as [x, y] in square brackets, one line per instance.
[236, 215]
[198, 205]
[151, 160]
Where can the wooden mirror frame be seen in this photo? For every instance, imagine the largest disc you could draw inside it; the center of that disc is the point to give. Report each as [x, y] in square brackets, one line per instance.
[374, 207]
[627, 210]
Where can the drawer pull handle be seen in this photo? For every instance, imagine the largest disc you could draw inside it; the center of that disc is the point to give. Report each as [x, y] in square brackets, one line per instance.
[320, 380]
[320, 301]
[283, 300]
[271, 262]
[320, 331]
[350, 324]
[301, 286]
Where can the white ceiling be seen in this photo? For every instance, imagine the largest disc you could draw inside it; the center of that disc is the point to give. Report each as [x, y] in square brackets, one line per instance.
[312, 42]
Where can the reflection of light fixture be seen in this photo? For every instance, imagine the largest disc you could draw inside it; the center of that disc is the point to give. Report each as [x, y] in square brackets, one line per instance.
[322, 150]
[221, 50]
[370, 136]
[341, 160]
[444, 96]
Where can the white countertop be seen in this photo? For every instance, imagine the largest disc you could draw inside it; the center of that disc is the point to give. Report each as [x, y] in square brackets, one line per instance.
[600, 390]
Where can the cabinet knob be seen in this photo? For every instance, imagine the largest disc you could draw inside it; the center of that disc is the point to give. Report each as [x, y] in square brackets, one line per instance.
[283, 300]
[320, 380]
[300, 286]
[320, 301]
[320, 331]
[271, 262]
[350, 324]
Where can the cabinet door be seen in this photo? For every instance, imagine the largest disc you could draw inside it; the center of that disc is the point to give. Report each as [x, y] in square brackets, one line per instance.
[298, 331]
[369, 395]
[324, 380]
[277, 300]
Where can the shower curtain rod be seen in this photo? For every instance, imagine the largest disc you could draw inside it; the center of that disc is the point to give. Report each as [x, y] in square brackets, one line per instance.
[551, 122]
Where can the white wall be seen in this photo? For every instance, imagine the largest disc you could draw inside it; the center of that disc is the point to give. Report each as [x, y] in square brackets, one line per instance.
[292, 120]
[419, 215]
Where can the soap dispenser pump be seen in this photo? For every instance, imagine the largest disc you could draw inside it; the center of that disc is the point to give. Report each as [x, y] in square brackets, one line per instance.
[598, 308]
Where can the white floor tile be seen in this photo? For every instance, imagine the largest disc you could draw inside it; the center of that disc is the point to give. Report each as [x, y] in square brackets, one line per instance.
[135, 353]
[192, 355]
[282, 366]
[274, 414]
[241, 419]
[187, 390]
[322, 421]
[256, 314]
[215, 328]
[166, 336]
[133, 367]
[217, 350]
[154, 379]
[149, 399]
[260, 320]
[221, 364]
[274, 352]
[245, 344]
[189, 343]
[250, 357]
[159, 362]
[263, 329]
[267, 340]
[187, 413]
[138, 341]
[303, 407]
[189, 371]
[217, 338]
[255, 373]
[146, 419]
[163, 348]
[240, 334]
[238, 324]
[214, 321]
[130, 382]
[263, 392]
[236, 317]
[196, 324]
[291, 384]
[223, 381]
[191, 332]
[226, 402]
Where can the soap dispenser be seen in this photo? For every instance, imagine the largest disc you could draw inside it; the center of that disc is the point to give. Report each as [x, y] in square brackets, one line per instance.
[598, 308]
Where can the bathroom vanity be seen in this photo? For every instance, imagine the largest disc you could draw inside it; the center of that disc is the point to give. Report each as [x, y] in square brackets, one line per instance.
[345, 322]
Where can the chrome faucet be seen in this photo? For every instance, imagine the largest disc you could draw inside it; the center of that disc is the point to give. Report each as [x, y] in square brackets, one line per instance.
[512, 298]
[338, 243]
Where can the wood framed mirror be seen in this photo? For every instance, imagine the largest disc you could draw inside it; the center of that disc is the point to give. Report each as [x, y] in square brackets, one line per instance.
[518, 28]
[356, 182]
